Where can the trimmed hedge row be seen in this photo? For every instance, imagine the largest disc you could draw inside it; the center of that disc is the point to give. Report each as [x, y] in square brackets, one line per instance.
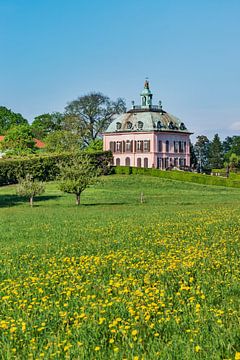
[178, 175]
[44, 167]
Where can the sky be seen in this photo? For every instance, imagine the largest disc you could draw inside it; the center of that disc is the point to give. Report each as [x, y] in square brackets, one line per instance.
[53, 51]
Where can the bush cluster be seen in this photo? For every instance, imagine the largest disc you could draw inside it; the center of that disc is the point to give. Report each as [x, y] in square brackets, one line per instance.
[43, 167]
[179, 175]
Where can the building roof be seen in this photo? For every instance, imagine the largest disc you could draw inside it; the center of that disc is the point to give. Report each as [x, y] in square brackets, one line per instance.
[147, 117]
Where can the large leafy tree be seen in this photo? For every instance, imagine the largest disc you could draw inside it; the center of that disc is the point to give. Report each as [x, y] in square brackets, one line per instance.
[91, 114]
[63, 140]
[19, 140]
[201, 150]
[45, 124]
[9, 119]
[77, 174]
[216, 156]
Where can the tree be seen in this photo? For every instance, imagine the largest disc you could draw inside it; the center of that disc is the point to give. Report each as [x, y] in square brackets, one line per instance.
[91, 114]
[9, 119]
[234, 161]
[95, 145]
[19, 140]
[193, 158]
[215, 156]
[76, 175]
[63, 140]
[201, 149]
[30, 188]
[45, 124]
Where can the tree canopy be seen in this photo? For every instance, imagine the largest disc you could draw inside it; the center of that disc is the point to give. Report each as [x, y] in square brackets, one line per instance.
[63, 140]
[91, 114]
[8, 119]
[44, 124]
[77, 174]
[19, 140]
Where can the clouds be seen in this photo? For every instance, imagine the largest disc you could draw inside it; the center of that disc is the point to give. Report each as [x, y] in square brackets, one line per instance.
[235, 126]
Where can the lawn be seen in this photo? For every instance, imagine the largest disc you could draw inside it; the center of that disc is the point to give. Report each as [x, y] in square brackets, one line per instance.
[117, 279]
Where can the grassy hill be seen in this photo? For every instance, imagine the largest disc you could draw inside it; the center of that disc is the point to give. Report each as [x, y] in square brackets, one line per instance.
[114, 278]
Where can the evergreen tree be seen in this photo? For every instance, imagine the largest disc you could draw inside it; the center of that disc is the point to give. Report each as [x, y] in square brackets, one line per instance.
[216, 153]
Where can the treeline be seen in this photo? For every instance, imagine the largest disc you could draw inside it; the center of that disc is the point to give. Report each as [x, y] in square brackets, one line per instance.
[77, 128]
[207, 155]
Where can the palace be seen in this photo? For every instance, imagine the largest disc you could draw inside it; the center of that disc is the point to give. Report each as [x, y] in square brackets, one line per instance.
[147, 136]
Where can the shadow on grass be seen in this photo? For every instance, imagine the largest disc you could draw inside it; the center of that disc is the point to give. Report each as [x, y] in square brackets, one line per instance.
[105, 203]
[14, 200]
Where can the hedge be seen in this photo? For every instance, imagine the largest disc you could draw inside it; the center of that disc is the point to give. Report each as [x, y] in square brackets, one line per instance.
[43, 167]
[179, 175]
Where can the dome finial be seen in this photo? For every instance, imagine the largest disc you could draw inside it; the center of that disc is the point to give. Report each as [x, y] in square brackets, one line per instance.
[146, 84]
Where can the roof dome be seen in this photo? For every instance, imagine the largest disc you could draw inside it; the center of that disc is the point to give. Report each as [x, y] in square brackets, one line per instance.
[146, 117]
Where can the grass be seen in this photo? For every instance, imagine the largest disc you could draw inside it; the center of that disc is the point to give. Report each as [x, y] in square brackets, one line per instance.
[117, 279]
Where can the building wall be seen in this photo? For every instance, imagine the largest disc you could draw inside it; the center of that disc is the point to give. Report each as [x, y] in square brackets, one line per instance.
[142, 149]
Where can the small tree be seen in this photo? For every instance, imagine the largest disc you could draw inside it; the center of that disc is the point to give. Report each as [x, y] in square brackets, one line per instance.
[30, 188]
[76, 175]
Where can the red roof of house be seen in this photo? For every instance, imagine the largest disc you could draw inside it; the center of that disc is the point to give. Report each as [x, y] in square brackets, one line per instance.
[39, 144]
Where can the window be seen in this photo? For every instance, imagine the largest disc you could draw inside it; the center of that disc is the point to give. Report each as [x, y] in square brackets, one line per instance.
[139, 162]
[146, 145]
[159, 163]
[159, 146]
[175, 161]
[128, 145]
[127, 161]
[145, 161]
[129, 125]
[167, 146]
[139, 145]
[180, 146]
[117, 162]
[118, 125]
[159, 125]
[118, 145]
[140, 125]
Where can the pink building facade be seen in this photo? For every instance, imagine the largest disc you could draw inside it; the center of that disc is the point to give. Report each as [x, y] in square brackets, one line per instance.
[147, 136]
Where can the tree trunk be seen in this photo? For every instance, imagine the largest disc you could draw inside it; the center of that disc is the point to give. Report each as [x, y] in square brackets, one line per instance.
[31, 201]
[77, 199]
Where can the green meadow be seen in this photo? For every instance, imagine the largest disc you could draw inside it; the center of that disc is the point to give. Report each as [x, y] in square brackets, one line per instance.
[119, 279]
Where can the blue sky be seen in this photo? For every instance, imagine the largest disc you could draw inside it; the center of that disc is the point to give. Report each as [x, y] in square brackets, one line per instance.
[53, 51]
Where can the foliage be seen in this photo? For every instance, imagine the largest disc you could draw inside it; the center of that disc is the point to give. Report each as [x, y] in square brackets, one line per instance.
[178, 175]
[120, 279]
[30, 188]
[201, 150]
[9, 119]
[62, 140]
[215, 155]
[77, 174]
[19, 140]
[91, 114]
[95, 145]
[44, 167]
[44, 124]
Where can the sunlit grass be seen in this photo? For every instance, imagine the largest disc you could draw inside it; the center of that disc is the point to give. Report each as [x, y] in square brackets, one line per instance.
[117, 279]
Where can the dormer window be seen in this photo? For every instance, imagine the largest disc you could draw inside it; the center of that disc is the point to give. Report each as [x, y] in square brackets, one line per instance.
[182, 126]
[118, 125]
[159, 125]
[170, 125]
[129, 125]
[140, 125]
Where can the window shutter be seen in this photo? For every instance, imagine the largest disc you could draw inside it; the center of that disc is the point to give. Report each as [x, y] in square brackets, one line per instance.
[135, 146]
[141, 147]
[131, 147]
[111, 146]
[123, 146]
[148, 145]
[114, 146]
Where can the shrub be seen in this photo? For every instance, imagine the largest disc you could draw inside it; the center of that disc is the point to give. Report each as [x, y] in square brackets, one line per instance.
[44, 167]
[180, 175]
